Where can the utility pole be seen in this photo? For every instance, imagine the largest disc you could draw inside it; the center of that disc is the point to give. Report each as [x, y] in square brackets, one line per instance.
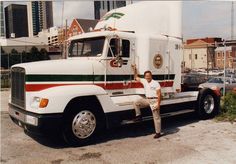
[65, 42]
[63, 37]
[224, 66]
[232, 21]
[207, 61]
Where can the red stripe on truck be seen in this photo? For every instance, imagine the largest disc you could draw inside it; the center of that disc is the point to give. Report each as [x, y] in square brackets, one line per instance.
[107, 86]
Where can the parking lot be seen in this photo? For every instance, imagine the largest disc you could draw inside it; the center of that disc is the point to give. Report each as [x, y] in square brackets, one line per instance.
[186, 140]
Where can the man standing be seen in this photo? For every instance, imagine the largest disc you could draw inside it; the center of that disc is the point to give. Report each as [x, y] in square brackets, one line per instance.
[153, 99]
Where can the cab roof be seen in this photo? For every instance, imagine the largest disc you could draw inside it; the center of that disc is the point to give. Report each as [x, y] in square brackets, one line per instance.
[102, 33]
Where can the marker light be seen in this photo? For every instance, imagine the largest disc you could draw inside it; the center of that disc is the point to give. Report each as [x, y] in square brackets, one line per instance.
[43, 103]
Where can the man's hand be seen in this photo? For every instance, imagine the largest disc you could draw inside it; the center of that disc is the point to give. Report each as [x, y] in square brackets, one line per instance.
[135, 72]
[133, 66]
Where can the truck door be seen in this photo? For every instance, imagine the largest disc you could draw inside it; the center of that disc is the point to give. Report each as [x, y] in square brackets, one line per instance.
[119, 73]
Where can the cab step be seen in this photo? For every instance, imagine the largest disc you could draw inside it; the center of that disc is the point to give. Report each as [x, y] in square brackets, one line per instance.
[164, 115]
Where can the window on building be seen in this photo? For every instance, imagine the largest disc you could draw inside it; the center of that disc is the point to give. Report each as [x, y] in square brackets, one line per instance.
[108, 6]
[190, 56]
[103, 5]
[195, 56]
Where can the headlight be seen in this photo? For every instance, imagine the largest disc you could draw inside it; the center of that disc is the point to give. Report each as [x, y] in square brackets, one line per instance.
[38, 102]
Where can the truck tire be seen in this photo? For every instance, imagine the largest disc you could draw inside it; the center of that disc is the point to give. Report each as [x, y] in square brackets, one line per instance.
[81, 124]
[207, 104]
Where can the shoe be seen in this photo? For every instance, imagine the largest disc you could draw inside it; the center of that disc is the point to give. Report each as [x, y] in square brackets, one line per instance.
[138, 118]
[157, 135]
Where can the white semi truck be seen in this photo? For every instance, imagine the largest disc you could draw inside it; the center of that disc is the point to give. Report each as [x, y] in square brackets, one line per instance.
[94, 87]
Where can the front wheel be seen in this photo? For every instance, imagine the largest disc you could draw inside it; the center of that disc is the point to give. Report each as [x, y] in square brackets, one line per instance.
[207, 104]
[81, 126]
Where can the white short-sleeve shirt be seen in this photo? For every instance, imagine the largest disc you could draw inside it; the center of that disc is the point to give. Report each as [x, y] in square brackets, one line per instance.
[150, 88]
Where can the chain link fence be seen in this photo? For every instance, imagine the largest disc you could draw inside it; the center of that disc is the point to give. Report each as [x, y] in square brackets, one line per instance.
[5, 79]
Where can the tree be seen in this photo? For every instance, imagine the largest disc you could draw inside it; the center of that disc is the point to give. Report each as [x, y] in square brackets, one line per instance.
[44, 54]
[34, 50]
[14, 52]
[2, 51]
[24, 56]
[35, 54]
[14, 57]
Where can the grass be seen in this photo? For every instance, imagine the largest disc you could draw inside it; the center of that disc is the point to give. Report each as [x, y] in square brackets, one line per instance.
[228, 108]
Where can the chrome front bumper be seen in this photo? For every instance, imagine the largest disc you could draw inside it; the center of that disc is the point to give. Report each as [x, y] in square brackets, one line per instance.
[22, 117]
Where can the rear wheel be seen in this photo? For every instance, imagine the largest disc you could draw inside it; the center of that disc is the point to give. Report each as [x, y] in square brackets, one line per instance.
[82, 124]
[207, 104]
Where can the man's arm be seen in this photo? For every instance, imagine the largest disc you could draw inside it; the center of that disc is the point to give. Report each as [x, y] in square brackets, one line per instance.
[136, 77]
[159, 98]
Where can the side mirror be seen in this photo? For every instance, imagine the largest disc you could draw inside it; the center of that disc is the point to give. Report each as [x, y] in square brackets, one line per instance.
[118, 48]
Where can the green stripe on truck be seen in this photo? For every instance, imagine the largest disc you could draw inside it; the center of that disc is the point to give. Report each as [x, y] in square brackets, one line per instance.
[44, 78]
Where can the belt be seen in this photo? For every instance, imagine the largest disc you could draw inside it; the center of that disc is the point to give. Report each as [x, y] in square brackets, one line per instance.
[152, 97]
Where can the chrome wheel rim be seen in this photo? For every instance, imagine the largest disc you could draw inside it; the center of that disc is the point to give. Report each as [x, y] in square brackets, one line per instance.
[208, 104]
[84, 124]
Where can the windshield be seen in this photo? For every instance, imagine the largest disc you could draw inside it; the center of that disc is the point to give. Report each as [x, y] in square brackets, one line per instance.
[215, 80]
[89, 47]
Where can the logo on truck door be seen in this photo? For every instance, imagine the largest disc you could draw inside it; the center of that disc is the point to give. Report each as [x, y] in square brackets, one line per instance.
[118, 62]
[157, 61]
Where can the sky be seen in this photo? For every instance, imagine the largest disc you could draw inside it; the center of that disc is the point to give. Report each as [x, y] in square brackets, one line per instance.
[200, 18]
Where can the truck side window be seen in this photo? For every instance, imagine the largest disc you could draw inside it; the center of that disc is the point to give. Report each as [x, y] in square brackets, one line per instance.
[76, 49]
[125, 49]
[112, 48]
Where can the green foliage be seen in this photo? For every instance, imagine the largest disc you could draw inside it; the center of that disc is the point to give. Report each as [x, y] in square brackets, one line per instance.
[15, 57]
[2, 51]
[228, 107]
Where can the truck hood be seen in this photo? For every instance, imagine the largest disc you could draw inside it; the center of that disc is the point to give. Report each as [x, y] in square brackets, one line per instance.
[54, 67]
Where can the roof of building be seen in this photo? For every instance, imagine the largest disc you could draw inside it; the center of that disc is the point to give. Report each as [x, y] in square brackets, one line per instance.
[227, 48]
[202, 42]
[87, 23]
[207, 40]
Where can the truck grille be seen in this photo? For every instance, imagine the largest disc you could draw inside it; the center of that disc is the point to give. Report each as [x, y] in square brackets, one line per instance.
[18, 86]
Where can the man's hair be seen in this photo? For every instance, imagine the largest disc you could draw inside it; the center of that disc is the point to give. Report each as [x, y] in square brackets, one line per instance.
[147, 72]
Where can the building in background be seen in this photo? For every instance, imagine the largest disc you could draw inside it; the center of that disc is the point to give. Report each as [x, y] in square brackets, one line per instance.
[102, 7]
[51, 34]
[16, 21]
[2, 22]
[40, 16]
[230, 57]
[200, 53]
[79, 26]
